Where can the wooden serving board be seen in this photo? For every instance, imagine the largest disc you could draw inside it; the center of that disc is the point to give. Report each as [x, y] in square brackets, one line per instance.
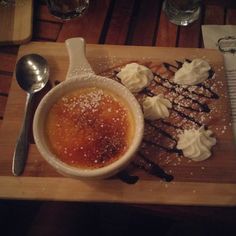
[211, 182]
[16, 22]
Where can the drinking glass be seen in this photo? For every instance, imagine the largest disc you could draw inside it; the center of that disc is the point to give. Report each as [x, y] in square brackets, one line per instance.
[7, 3]
[67, 9]
[182, 12]
[12, 3]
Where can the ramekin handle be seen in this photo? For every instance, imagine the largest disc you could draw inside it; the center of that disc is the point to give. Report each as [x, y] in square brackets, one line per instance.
[78, 63]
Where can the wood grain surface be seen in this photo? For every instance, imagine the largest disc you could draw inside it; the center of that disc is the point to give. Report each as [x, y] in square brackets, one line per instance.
[116, 27]
[16, 22]
[195, 183]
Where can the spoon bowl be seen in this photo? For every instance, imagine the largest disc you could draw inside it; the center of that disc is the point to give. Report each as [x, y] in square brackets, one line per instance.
[32, 74]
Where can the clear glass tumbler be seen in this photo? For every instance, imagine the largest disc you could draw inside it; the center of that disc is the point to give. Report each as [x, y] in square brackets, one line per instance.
[182, 12]
[12, 3]
[7, 3]
[67, 9]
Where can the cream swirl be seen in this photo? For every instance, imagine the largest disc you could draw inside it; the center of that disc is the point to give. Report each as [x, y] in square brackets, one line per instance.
[156, 107]
[196, 144]
[192, 73]
[135, 77]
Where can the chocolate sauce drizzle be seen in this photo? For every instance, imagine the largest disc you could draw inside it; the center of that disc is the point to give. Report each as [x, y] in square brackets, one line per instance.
[213, 95]
[169, 66]
[127, 178]
[172, 149]
[184, 98]
[152, 168]
[188, 117]
[167, 149]
[163, 132]
[56, 82]
[171, 125]
[186, 95]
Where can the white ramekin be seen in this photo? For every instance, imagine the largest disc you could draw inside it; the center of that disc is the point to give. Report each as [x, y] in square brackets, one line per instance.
[81, 75]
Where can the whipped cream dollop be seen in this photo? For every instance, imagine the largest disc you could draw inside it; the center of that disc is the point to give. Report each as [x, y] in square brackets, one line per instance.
[156, 107]
[135, 77]
[196, 144]
[192, 73]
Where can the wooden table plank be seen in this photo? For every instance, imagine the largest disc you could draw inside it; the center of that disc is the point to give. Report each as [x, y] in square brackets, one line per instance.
[214, 15]
[89, 26]
[13, 49]
[46, 30]
[119, 24]
[44, 14]
[3, 102]
[190, 36]
[143, 31]
[224, 3]
[7, 62]
[5, 82]
[167, 32]
[230, 17]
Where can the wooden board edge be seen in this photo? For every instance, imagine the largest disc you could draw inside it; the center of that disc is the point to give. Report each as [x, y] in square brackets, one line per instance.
[19, 41]
[66, 189]
[150, 47]
[35, 188]
[32, 43]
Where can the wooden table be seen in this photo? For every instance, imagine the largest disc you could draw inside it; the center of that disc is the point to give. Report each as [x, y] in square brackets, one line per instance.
[134, 22]
[121, 22]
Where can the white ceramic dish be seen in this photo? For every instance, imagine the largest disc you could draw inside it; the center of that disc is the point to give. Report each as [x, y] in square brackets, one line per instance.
[80, 74]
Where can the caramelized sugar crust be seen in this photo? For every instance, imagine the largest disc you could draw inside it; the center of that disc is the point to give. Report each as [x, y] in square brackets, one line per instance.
[89, 128]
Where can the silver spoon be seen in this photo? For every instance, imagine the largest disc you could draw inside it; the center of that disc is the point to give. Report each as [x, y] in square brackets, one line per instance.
[32, 74]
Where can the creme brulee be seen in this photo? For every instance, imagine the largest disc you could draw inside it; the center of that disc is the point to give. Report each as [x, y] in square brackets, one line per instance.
[89, 128]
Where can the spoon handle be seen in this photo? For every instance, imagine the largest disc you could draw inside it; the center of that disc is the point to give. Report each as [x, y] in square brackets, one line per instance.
[21, 149]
